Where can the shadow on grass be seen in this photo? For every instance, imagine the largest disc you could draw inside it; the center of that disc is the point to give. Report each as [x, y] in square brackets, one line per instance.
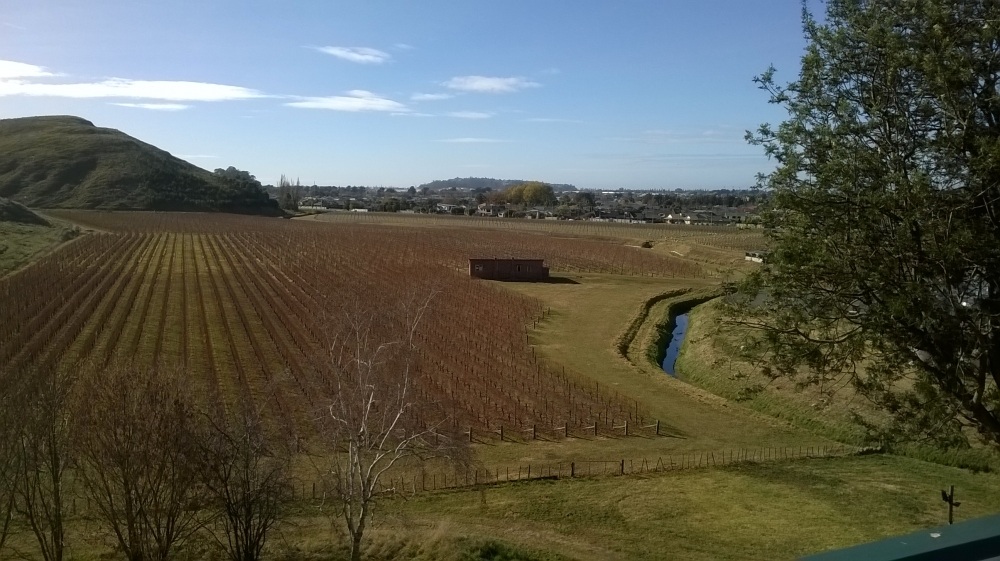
[559, 280]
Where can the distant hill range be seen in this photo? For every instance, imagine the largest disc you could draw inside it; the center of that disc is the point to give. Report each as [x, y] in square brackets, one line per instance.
[67, 162]
[11, 211]
[486, 183]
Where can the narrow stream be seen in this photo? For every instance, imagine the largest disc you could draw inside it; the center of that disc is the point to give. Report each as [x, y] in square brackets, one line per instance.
[680, 323]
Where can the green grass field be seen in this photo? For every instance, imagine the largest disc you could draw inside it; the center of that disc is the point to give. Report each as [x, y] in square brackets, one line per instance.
[21, 244]
[778, 510]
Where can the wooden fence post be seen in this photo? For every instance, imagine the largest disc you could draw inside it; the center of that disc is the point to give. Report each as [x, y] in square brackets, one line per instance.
[572, 471]
[657, 427]
[623, 468]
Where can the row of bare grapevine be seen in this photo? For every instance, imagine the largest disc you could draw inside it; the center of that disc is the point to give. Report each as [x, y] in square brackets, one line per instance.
[245, 309]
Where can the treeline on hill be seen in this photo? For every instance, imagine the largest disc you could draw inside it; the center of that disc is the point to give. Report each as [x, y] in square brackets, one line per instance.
[67, 162]
[485, 184]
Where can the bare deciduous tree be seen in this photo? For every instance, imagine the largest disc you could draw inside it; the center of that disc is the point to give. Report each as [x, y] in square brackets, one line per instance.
[247, 476]
[43, 451]
[375, 418]
[138, 459]
[11, 424]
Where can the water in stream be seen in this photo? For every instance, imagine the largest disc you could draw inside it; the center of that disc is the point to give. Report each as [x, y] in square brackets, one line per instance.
[674, 347]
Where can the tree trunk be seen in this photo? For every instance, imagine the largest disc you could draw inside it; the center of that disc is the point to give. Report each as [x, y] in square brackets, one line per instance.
[356, 547]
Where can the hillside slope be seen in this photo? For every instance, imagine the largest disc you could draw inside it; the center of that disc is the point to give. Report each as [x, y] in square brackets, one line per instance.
[67, 162]
[11, 211]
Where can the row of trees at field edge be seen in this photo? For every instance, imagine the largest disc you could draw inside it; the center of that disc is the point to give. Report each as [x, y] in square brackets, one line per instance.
[157, 470]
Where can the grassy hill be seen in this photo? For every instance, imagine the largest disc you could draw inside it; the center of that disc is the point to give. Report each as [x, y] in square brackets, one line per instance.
[25, 235]
[11, 211]
[67, 162]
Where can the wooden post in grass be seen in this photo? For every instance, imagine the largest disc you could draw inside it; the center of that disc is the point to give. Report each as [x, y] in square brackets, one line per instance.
[657, 427]
[572, 470]
[623, 468]
[501, 433]
[952, 504]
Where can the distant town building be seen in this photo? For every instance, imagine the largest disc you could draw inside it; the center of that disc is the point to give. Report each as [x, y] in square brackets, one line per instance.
[509, 269]
[756, 256]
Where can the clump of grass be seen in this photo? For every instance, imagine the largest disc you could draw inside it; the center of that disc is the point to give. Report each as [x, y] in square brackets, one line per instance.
[492, 550]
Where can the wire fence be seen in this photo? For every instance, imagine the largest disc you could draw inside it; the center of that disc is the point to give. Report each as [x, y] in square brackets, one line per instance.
[427, 480]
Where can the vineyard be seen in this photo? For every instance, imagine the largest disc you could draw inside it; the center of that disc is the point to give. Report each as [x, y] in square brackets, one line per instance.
[244, 308]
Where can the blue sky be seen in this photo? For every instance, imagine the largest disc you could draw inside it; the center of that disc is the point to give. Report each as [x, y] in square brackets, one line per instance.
[640, 94]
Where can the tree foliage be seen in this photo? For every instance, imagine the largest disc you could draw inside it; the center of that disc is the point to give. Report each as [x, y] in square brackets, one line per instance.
[529, 193]
[885, 213]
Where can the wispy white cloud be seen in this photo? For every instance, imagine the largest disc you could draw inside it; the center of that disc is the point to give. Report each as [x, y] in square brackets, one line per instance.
[360, 55]
[155, 106]
[469, 114]
[10, 69]
[14, 26]
[489, 84]
[431, 97]
[354, 101]
[550, 120]
[164, 90]
[404, 46]
[472, 140]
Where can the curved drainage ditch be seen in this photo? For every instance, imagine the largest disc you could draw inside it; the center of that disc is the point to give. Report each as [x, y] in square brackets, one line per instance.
[672, 334]
[679, 323]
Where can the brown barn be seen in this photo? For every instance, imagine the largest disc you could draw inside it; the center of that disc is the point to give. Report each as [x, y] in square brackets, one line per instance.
[509, 269]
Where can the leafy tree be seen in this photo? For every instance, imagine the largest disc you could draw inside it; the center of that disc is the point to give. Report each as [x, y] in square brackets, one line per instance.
[289, 195]
[885, 213]
[538, 193]
[585, 199]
